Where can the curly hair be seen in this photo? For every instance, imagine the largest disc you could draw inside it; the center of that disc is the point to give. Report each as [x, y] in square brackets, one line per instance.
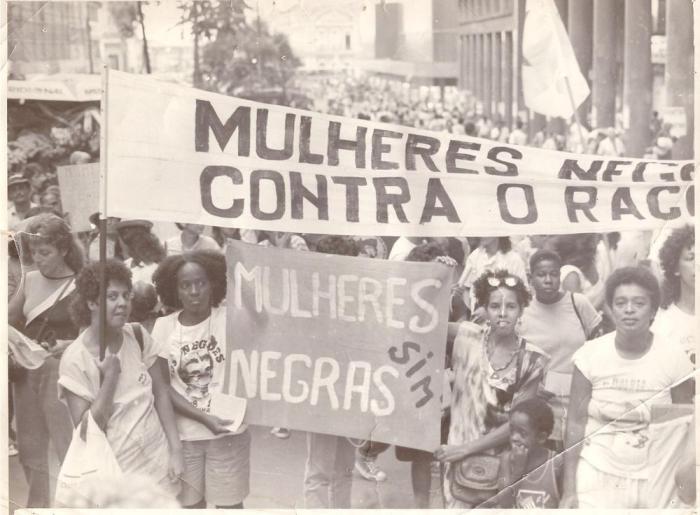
[637, 275]
[482, 289]
[87, 287]
[339, 245]
[669, 256]
[143, 245]
[165, 277]
[53, 230]
[538, 411]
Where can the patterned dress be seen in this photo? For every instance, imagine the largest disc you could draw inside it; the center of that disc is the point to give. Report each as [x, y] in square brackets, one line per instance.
[481, 396]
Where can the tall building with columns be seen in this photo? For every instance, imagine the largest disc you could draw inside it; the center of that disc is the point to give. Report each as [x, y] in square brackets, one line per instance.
[637, 56]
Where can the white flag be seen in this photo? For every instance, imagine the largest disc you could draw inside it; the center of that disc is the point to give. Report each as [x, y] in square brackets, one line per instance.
[548, 61]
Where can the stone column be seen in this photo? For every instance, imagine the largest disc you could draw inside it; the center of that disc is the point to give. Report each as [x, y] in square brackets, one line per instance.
[638, 79]
[488, 75]
[508, 79]
[603, 90]
[679, 69]
[497, 71]
[479, 67]
[581, 35]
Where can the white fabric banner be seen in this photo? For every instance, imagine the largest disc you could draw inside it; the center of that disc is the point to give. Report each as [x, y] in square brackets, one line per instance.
[175, 153]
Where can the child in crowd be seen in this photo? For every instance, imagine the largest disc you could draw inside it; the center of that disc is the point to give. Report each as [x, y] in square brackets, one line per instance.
[531, 472]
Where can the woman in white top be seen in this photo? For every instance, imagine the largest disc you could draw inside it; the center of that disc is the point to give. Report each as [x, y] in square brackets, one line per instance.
[676, 321]
[217, 461]
[616, 380]
[126, 392]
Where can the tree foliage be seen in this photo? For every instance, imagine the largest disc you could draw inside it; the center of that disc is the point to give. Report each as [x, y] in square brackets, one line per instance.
[237, 55]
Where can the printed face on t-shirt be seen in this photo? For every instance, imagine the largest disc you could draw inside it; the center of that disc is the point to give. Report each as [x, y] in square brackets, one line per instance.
[196, 370]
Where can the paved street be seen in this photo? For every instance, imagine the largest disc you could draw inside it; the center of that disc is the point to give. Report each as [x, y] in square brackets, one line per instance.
[277, 475]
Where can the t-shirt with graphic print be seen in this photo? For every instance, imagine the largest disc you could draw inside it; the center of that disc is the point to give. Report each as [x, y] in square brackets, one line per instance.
[196, 357]
[622, 393]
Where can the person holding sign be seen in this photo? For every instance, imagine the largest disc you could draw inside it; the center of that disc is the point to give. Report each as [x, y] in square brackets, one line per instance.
[39, 309]
[494, 368]
[617, 379]
[127, 392]
[217, 461]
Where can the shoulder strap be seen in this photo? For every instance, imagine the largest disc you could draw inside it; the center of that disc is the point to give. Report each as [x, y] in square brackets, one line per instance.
[578, 315]
[138, 333]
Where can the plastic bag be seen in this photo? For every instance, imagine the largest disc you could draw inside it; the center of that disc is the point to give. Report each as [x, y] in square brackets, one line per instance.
[89, 459]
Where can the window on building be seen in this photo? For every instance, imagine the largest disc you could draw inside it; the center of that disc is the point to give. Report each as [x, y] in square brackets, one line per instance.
[113, 61]
[347, 42]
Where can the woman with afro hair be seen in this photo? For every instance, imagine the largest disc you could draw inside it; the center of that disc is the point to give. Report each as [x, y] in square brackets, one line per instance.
[676, 320]
[193, 338]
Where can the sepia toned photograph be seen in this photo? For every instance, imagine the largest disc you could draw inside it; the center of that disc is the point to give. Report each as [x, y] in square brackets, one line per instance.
[334, 254]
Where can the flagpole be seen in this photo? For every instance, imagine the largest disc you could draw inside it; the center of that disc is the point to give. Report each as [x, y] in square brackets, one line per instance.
[103, 217]
[576, 116]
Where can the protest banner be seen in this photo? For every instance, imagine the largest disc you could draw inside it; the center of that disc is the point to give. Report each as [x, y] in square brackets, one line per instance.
[80, 193]
[224, 161]
[338, 345]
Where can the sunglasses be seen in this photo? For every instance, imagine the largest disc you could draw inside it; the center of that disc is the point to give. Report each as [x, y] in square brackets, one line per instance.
[509, 281]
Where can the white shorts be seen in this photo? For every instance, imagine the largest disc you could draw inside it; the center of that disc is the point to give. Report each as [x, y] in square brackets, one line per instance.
[597, 489]
[217, 470]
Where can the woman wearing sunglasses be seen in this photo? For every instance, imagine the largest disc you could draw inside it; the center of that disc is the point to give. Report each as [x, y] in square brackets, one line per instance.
[494, 368]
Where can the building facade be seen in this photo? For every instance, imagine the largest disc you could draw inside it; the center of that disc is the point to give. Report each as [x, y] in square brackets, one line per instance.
[637, 56]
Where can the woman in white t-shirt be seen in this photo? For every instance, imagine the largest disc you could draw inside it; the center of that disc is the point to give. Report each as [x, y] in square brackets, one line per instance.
[676, 321]
[193, 340]
[126, 393]
[616, 380]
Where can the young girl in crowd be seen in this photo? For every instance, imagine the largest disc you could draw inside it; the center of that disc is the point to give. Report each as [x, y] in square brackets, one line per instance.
[217, 462]
[560, 323]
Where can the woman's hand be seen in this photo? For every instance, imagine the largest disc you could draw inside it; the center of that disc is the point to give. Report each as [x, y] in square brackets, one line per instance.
[110, 367]
[217, 425]
[176, 466]
[446, 260]
[479, 315]
[450, 453]
[58, 349]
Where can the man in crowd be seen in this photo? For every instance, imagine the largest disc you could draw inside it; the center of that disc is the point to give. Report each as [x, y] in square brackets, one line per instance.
[18, 193]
